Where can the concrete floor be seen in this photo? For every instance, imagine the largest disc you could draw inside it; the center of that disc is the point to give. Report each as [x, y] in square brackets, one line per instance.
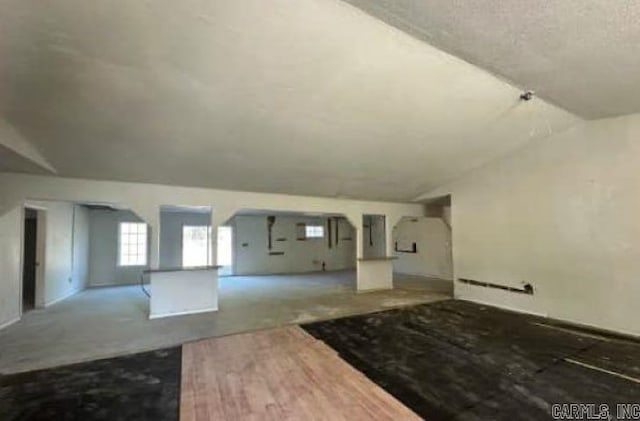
[106, 322]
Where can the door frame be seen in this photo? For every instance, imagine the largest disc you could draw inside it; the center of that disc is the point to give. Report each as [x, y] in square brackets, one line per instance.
[41, 252]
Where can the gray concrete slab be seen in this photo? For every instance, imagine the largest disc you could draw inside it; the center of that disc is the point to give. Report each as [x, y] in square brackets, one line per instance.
[106, 322]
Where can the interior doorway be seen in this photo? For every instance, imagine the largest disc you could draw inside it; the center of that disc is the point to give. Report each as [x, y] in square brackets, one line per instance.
[32, 257]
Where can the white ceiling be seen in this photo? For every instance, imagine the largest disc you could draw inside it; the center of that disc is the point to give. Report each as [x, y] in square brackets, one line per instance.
[581, 54]
[309, 97]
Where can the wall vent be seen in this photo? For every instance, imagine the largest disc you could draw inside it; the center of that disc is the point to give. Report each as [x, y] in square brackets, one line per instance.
[526, 289]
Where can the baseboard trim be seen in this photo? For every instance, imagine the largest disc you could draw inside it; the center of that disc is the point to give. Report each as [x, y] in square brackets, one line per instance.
[565, 324]
[9, 323]
[593, 329]
[504, 307]
[57, 300]
[183, 313]
[96, 286]
[365, 290]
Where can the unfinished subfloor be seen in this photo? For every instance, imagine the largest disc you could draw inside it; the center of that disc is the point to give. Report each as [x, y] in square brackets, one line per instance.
[106, 322]
[443, 361]
[457, 360]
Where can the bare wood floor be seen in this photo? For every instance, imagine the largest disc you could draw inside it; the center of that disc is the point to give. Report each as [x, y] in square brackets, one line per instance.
[278, 374]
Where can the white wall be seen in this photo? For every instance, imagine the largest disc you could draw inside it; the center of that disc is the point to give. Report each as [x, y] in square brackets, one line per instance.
[375, 275]
[81, 246]
[562, 214]
[439, 211]
[183, 292]
[446, 215]
[11, 228]
[66, 240]
[103, 255]
[299, 256]
[433, 243]
[171, 223]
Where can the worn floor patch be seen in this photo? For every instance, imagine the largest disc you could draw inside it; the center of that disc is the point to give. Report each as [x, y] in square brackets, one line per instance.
[139, 387]
[459, 360]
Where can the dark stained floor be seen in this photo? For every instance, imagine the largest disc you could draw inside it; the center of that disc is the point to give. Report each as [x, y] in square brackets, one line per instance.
[459, 360]
[137, 387]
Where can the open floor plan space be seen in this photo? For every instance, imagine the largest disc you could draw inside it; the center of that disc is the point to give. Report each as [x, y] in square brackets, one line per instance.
[319, 209]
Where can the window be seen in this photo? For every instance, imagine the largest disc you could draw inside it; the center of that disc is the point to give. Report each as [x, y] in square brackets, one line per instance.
[314, 231]
[196, 246]
[196, 249]
[133, 244]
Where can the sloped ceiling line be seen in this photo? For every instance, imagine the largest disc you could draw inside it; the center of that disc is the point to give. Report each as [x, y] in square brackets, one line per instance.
[15, 142]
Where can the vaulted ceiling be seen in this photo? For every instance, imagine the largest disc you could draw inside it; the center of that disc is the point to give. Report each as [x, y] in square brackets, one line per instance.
[583, 55]
[310, 97]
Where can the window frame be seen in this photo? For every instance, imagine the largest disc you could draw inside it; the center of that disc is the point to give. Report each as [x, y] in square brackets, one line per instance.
[314, 234]
[145, 253]
[209, 248]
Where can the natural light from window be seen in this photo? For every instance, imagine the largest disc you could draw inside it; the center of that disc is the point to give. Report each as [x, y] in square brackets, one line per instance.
[132, 244]
[196, 246]
[314, 231]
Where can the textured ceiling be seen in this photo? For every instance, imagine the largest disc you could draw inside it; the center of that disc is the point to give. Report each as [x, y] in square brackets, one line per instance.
[583, 55]
[307, 97]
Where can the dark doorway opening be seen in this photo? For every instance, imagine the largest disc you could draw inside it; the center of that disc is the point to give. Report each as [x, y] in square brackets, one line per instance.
[30, 263]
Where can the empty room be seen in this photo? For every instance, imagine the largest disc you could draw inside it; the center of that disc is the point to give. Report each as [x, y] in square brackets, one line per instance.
[319, 209]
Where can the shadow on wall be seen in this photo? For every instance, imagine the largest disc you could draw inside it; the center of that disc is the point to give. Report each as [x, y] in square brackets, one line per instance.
[423, 247]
